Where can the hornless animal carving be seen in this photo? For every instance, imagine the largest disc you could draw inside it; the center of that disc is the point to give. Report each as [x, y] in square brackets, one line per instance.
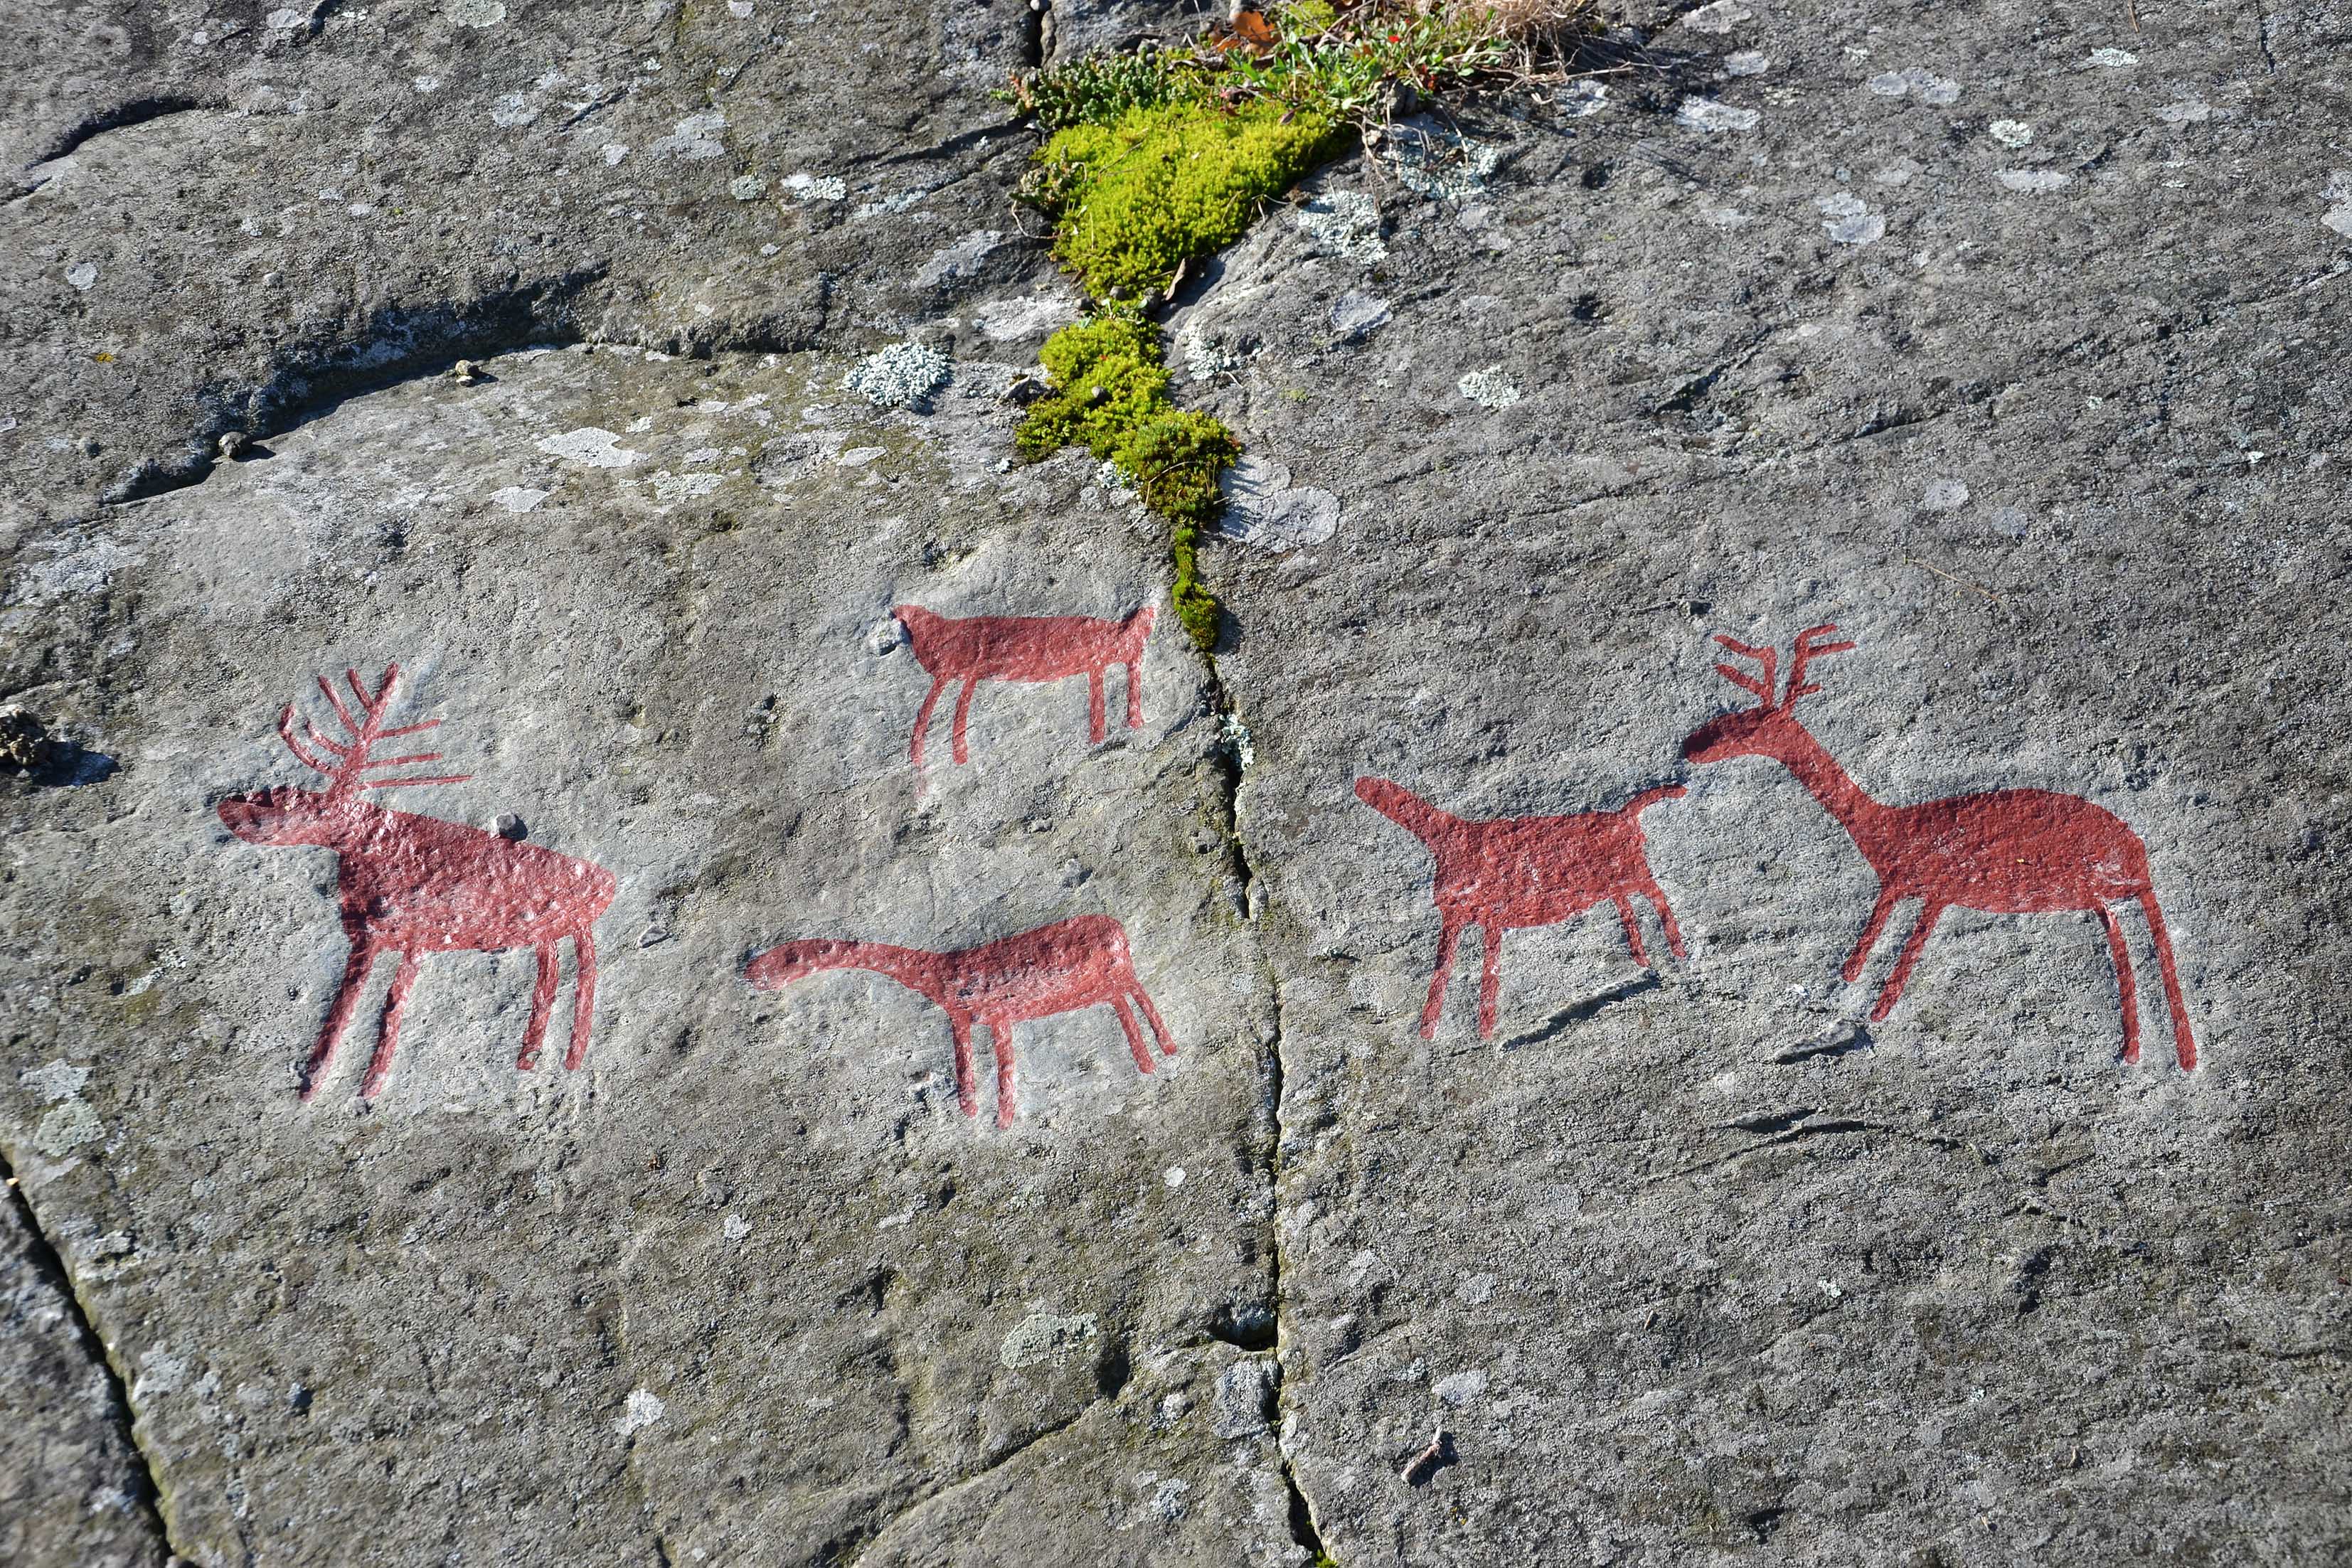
[1525, 870]
[2005, 852]
[412, 884]
[1072, 964]
[1035, 648]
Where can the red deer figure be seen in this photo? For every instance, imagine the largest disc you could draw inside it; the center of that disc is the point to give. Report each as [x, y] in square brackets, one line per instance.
[1525, 871]
[412, 884]
[1035, 648]
[2004, 851]
[1059, 969]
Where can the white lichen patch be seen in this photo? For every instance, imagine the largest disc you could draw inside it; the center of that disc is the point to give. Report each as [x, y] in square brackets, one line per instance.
[54, 1080]
[1041, 1337]
[671, 488]
[68, 1128]
[1007, 320]
[959, 260]
[1578, 98]
[1264, 509]
[1719, 16]
[474, 13]
[803, 186]
[641, 1410]
[1462, 1387]
[2339, 191]
[517, 497]
[83, 276]
[1345, 224]
[591, 445]
[1944, 495]
[1705, 114]
[1848, 220]
[2188, 112]
[2112, 59]
[884, 206]
[1356, 314]
[1205, 355]
[903, 375]
[1489, 388]
[2010, 133]
[747, 187]
[1441, 168]
[2034, 182]
[696, 137]
[1916, 80]
[1745, 63]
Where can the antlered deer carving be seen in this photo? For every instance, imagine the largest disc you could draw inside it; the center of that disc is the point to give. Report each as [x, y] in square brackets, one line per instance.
[2005, 852]
[412, 884]
[1033, 648]
[1059, 969]
[1513, 871]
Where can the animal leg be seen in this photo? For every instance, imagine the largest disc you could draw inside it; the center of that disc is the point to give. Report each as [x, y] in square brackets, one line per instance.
[963, 718]
[2122, 981]
[1134, 1045]
[923, 718]
[1651, 891]
[1490, 976]
[1159, 1030]
[2184, 1044]
[583, 998]
[1000, 1038]
[967, 1094]
[339, 1016]
[1888, 898]
[1633, 929]
[1446, 941]
[1134, 696]
[388, 1034]
[542, 1001]
[1095, 706]
[1928, 915]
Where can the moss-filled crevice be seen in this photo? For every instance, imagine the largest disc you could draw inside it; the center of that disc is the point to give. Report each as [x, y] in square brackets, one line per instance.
[1159, 157]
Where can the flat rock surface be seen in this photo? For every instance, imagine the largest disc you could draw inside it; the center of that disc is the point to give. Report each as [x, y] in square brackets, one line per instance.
[2007, 341]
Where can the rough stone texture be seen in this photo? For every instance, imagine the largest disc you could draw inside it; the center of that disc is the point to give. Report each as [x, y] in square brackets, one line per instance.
[2018, 358]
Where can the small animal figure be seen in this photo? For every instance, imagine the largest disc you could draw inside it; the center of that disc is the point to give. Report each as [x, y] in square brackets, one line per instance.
[1035, 648]
[1525, 870]
[2004, 851]
[412, 884]
[1059, 969]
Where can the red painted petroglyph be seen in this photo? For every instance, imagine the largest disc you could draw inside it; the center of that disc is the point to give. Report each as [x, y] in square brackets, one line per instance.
[1040, 648]
[411, 884]
[1063, 967]
[2005, 852]
[1515, 872]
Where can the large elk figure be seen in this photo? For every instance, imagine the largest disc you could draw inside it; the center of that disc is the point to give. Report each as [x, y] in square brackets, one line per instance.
[2004, 851]
[411, 884]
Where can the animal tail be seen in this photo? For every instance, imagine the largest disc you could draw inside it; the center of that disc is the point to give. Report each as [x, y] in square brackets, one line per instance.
[1649, 798]
[1407, 810]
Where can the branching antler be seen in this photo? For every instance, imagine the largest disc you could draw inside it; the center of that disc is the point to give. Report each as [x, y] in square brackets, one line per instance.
[351, 753]
[1802, 653]
[1760, 684]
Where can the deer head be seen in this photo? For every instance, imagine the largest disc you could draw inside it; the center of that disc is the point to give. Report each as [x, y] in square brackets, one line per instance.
[1760, 730]
[289, 816]
[779, 966]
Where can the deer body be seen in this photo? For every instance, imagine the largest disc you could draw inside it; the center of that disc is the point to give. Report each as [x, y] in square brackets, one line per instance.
[1512, 872]
[409, 884]
[2001, 851]
[1027, 648]
[1067, 966]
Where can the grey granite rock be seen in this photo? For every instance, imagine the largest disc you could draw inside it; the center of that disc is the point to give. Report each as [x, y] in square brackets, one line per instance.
[2007, 340]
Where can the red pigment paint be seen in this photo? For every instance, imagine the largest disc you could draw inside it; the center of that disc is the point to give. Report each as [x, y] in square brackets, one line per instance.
[2004, 851]
[1035, 648]
[1063, 967]
[411, 884]
[1525, 871]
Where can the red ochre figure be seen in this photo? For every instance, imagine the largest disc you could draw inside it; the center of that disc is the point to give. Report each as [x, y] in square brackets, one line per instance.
[412, 884]
[1063, 967]
[1525, 871]
[2005, 852]
[1038, 648]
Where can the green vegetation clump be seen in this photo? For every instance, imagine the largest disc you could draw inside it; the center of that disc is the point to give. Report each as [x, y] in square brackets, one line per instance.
[1139, 197]
[1110, 396]
[1161, 157]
